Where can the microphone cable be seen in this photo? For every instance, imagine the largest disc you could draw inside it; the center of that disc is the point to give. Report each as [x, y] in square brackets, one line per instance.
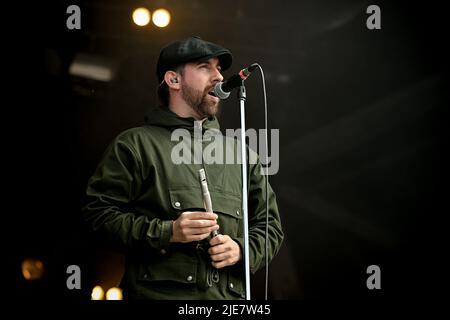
[266, 174]
[223, 94]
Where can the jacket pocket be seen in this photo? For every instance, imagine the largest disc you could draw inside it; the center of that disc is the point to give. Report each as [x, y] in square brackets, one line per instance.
[226, 205]
[235, 283]
[186, 199]
[178, 267]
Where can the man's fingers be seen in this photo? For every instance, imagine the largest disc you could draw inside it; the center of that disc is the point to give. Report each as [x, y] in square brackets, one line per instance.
[218, 249]
[194, 237]
[218, 240]
[223, 263]
[198, 237]
[198, 215]
[224, 251]
[221, 256]
[197, 231]
[198, 223]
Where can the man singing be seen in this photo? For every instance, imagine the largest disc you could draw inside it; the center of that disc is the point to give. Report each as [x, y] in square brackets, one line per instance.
[147, 204]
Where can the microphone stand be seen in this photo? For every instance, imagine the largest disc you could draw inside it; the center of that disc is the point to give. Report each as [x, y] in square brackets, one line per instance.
[242, 97]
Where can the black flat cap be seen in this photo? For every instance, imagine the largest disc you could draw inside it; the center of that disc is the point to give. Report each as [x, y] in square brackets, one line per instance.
[189, 50]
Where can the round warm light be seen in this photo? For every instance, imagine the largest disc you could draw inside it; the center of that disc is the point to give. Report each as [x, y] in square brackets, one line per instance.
[32, 269]
[161, 18]
[97, 293]
[114, 294]
[141, 16]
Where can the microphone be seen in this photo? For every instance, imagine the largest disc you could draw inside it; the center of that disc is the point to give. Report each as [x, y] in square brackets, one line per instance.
[206, 196]
[222, 89]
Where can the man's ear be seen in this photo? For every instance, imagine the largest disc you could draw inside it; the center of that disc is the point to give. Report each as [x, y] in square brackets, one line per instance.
[172, 79]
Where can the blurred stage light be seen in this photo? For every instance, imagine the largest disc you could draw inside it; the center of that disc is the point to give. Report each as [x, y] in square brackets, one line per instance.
[141, 16]
[97, 293]
[93, 67]
[114, 294]
[32, 269]
[161, 18]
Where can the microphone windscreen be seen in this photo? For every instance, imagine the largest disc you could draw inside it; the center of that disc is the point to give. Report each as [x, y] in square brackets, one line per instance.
[219, 92]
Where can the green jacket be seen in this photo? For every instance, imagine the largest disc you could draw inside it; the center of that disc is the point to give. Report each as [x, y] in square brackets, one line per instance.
[138, 189]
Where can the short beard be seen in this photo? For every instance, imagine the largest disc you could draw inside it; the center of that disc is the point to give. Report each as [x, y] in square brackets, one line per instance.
[197, 100]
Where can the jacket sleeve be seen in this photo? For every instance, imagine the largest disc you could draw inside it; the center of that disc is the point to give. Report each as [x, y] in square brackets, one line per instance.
[257, 220]
[110, 191]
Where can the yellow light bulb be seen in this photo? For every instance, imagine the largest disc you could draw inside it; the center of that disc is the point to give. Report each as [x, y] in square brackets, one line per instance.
[114, 294]
[141, 16]
[97, 293]
[161, 18]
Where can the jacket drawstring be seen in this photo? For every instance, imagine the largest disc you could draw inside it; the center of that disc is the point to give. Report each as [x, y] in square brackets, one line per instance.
[212, 276]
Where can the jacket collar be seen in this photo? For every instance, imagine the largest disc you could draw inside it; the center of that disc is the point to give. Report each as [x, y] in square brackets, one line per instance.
[163, 117]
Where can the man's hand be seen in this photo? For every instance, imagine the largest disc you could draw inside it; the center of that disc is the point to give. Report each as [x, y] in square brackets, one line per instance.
[224, 251]
[193, 226]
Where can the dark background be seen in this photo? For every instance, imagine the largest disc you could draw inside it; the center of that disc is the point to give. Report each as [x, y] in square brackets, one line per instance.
[362, 176]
